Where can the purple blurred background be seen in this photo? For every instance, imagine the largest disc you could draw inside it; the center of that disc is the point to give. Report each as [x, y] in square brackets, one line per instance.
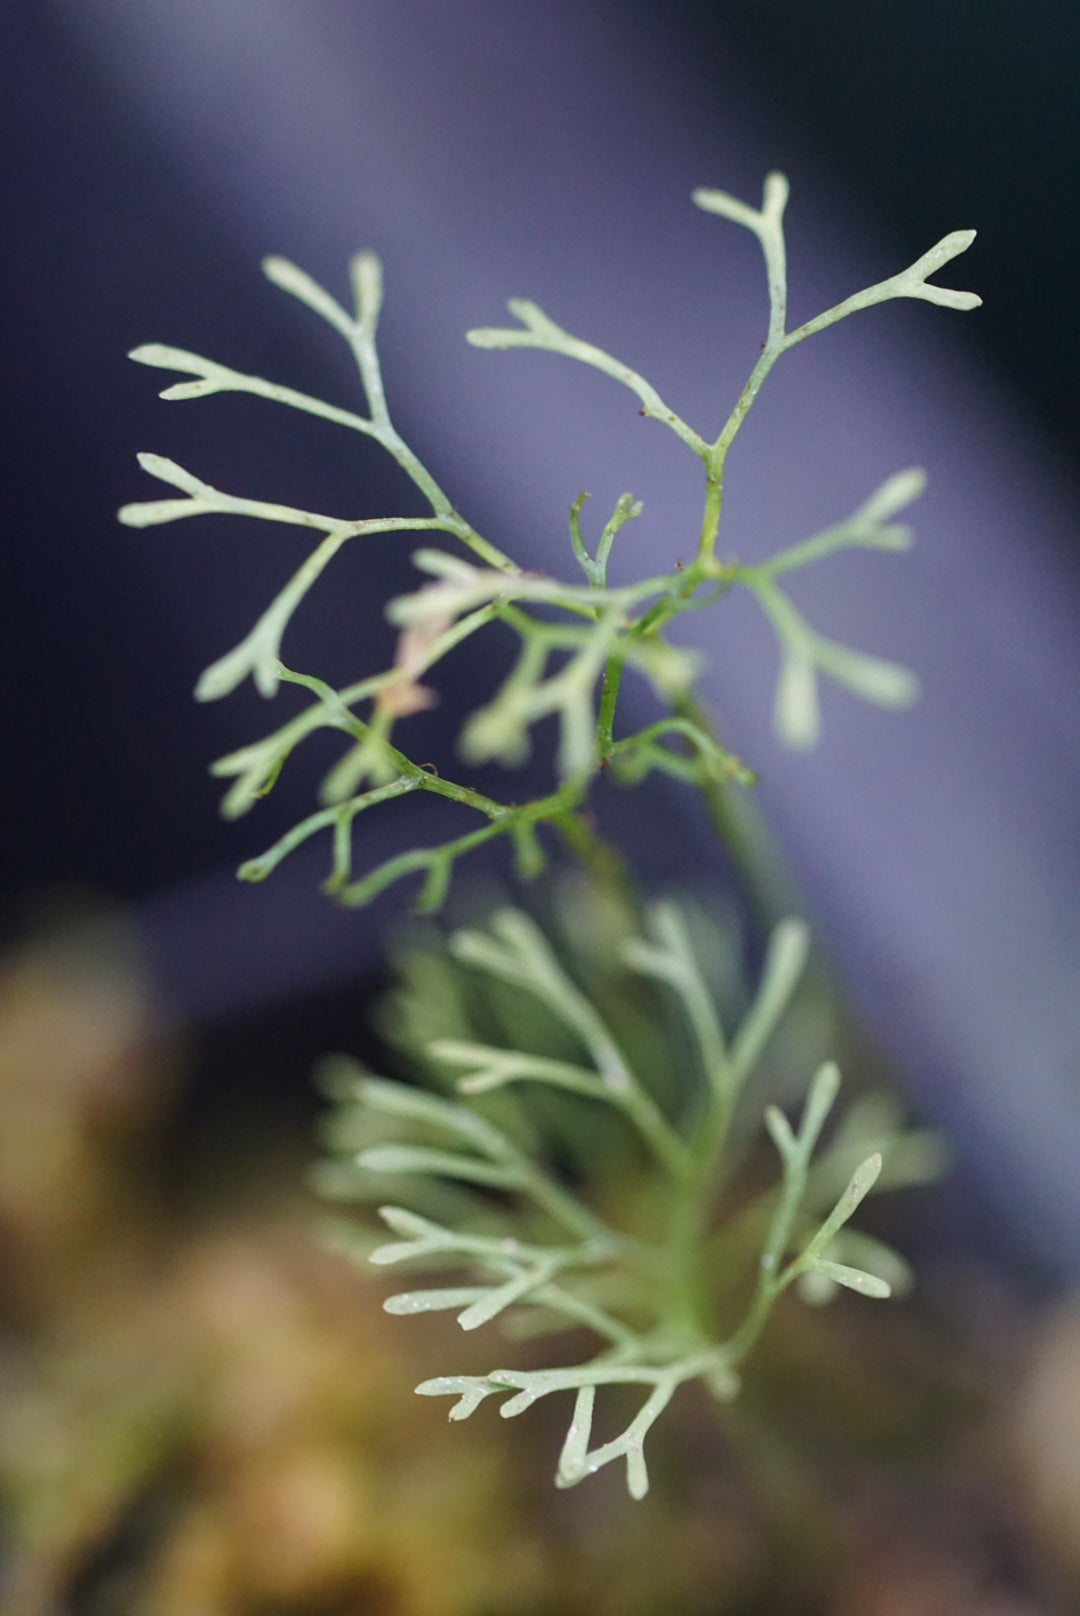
[154, 153]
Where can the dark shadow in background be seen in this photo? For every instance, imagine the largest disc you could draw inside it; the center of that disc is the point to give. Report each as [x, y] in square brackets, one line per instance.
[923, 109]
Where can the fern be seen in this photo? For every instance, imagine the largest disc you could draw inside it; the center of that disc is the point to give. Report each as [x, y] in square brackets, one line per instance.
[528, 1250]
[523, 1240]
[576, 639]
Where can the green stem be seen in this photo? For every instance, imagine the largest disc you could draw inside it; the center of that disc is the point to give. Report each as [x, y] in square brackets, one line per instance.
[609, 695]
[734, 817]
[563, 1207]
[714, 498]
[586, 1313]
